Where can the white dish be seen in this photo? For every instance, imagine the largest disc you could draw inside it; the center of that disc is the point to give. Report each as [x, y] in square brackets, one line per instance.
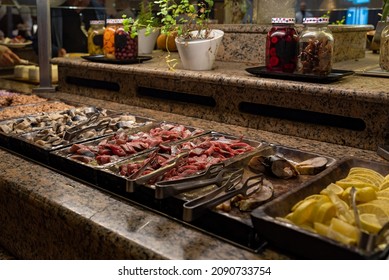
[16, 45]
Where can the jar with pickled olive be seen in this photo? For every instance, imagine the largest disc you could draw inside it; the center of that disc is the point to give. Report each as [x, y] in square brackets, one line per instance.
[95, 37]
[109, 37]
[282, 46]
[316, 47]
[384, 47]
[126, 47]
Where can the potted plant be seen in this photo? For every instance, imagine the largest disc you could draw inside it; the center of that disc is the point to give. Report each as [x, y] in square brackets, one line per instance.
[147, 37]
[196, 42]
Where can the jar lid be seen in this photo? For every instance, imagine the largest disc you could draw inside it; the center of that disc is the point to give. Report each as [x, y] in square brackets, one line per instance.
[316, 20]
[96, 22]
[282, 20]
[114, 20]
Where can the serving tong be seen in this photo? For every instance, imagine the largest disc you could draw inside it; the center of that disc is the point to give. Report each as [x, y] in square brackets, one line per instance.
[91, 123]
[196, 207]
[214, 174]
[135, 177]
[368, 242]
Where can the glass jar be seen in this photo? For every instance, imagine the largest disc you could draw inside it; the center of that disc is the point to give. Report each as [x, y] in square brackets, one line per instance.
[95, 37]
[384, 47]
[109, 37]
[316, 47]
[282, 46]
[125, 46]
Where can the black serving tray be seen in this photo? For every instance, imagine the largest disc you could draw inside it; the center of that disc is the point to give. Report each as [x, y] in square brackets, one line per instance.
[335, 75]
[303, 243]
[103, 59]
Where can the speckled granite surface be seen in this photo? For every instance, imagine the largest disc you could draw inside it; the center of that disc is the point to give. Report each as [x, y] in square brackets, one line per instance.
[247, 42]
[351, 111]
[45, 215]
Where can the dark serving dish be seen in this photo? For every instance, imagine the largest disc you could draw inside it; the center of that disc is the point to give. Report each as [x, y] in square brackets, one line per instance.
[335, 75]
[302, 243]
[103, 59]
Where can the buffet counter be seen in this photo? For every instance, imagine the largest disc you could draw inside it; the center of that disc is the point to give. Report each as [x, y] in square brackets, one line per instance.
[340, 112]
[49, 215]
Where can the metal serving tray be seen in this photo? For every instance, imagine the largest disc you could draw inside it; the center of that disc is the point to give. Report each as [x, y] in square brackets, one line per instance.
[27, 145]
[300, 242]
[62, 160]
[5, 137]
[110, 176]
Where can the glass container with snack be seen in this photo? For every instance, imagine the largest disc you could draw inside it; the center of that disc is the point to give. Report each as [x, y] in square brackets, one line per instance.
[316, 47]
[282, 46]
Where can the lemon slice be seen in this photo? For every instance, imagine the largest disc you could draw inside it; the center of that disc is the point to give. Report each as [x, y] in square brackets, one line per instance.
[342, 207]
[325, 212]
[348, 183]
[321, 229]
[341, 238]
[384, 193]
[345, 229]
[366, 171]
[384, 185]
[318, 197]
[338, 190]
[374, 208]
[365, 194]
[370, 222]
[303, 212]
[367, 178]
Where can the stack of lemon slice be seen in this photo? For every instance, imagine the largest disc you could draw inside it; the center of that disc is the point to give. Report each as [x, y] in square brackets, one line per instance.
[330, 213]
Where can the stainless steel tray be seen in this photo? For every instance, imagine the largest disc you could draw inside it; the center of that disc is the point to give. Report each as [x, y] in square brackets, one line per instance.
[8, 131]
[300, 242]
[110, 175]
[62, 158]
[279, 186]
[29, 143]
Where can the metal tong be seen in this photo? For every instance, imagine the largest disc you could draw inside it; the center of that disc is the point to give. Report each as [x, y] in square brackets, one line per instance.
[195, 208]
[212, 175]
[367, 241]
[160, 171]
[89, 124]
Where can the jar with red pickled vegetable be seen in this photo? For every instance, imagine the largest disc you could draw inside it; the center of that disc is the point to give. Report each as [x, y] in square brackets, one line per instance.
[126, 46]
[282, 46]
[316, 47]
[109, 37]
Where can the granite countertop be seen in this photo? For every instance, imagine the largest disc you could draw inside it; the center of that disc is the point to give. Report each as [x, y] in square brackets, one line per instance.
[76, 221]
[355, 87]
[73, 220]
